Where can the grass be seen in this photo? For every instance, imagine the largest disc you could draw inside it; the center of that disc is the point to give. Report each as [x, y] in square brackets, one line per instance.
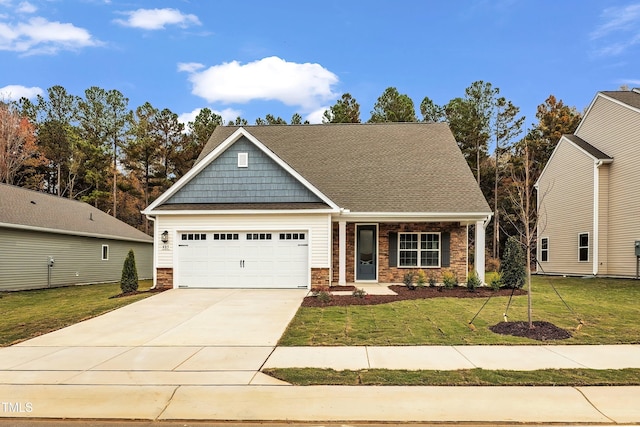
[463, 377]
[27, 314]
[608, 308]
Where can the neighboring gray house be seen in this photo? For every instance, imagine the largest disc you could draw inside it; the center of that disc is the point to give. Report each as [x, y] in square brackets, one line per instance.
[589, 193]
[53, 241]
[313, 205]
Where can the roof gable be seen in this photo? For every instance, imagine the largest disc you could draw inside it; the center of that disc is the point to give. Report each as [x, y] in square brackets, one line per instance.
[28, 209]
[390, 167]
[627, 98]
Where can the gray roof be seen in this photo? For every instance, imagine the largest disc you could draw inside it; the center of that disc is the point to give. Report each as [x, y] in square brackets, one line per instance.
[22, 208]
[629, 97]
[593, 151]
[390, 167]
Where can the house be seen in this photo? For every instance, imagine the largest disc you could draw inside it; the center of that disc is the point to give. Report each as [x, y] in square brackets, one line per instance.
[50, 241]
[589, 193]
[308, 205]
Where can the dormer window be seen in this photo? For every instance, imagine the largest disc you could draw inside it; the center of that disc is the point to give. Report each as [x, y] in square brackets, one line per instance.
[243, 160]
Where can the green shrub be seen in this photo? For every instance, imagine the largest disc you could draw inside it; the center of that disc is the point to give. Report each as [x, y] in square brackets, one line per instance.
[473, 281]
[129, 279]
[323, 296]
[449, 279]
[421, 279]
[513, 267]
[432, 279]
[408, 280]
[359, 293]
[496, 281]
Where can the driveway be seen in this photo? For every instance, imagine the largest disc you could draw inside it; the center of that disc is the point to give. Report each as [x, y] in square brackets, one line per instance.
[180, 336]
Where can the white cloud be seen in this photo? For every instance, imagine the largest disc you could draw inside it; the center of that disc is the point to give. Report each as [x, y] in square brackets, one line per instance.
[26, 7]
[305, 85]
[619, 31]
[226, 114]
[190, 67]
[15, 92]
[317, 115]
[38, 35]
[156, 19]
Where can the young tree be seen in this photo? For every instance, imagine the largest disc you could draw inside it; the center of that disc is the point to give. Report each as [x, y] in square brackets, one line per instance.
[431, 112]
[345, 110]
[392, 106]
[17, 144]
[129, 278]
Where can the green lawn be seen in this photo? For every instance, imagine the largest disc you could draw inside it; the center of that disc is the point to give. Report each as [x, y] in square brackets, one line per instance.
[608, 308]
[27, 314]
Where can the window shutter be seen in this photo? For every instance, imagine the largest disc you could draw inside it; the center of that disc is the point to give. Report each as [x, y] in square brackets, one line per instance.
[393, 249]
[445, 245]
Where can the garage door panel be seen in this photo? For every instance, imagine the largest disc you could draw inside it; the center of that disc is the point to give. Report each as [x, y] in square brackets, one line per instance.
[265, 259]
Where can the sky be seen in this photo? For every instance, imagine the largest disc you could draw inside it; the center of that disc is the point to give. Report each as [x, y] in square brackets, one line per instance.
[252, 58]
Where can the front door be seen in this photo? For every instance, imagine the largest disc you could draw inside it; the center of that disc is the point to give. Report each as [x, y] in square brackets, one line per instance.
[366, 253]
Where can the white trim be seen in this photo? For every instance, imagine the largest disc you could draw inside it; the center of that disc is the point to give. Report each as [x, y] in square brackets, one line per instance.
[102, 253]
[541, 249]
[462, 217]
[239, 212]
[596, 216]
[243, 160]
[72, 233]
[234, 137]
[588, 244]
[355, 252]
[342, 252]
[479, 254]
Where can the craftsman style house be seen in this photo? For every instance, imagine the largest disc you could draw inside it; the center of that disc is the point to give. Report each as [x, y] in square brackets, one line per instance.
[296, 206]
[589, 193]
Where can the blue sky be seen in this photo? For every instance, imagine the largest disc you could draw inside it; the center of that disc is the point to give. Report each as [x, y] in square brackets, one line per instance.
[251, 58]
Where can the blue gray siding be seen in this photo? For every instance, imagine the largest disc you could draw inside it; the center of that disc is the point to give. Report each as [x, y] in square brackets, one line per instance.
[78, 260]
[263, 181]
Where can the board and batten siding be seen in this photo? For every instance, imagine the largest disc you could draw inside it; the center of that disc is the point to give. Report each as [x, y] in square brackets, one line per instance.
[565, 192]
[24, 256]
[318, 226]
[615, 130]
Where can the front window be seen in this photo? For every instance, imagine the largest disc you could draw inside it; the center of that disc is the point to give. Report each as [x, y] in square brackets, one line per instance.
[583, 246]
[544, 249]
[419, 249]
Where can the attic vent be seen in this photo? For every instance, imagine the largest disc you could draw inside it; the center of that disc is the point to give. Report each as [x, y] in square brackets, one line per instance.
[243, 160]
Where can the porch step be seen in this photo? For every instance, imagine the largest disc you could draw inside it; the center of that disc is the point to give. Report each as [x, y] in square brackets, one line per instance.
[369, 289]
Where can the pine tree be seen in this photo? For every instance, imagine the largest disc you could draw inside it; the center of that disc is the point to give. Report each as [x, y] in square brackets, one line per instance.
[513, 267]
[129, 280]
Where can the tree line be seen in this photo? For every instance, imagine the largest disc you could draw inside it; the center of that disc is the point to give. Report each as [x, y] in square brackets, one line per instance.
[96, 149]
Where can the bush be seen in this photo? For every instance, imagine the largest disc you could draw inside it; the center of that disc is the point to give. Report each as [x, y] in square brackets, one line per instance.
[513, 267]
[129, 279]
[493, 264]
[432, 279]
[323, 296]
[496, 281]
[408, 280]
[359, 293]
[449, 279]
[421, 279]
[473, 281]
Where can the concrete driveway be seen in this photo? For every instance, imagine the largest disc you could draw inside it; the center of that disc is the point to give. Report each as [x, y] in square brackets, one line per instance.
[181, 336]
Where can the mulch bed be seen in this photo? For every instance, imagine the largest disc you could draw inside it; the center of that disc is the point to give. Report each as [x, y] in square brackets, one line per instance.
[405, 293]
[148, 291]
[541, 331]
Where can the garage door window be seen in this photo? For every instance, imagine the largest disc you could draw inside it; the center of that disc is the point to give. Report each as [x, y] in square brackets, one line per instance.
[194, 236]
[291, 236]
[259, 236]
[226, 236]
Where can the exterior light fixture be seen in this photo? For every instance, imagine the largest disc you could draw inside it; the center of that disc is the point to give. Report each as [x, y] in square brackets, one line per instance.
[164, 236]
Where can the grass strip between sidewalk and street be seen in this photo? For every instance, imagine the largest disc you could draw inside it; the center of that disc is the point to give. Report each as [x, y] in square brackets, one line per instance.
[462, 377]
[28, 314]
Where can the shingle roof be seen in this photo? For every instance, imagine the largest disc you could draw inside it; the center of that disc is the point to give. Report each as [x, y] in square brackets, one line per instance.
[629, 97]
[593, 151]
[22, 208]
[390, 167]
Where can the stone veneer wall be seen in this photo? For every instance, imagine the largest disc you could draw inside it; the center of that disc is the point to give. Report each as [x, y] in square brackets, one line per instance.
[386, 274]
[320, 277]
[164, 278]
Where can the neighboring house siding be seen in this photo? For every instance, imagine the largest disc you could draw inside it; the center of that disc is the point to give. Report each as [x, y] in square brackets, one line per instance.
[319, 226]
[565, 189]
[78, 260]
[262, 181]
[615, 130]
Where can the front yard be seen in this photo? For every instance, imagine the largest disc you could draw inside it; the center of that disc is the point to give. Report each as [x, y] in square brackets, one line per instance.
[608, 308]
[27, 314]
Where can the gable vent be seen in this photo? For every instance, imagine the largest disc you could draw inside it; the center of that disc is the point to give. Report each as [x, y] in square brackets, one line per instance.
[243, 160]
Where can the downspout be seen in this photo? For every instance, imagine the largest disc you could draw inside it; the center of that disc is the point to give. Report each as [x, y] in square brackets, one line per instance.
[596, 218]
[155, 252]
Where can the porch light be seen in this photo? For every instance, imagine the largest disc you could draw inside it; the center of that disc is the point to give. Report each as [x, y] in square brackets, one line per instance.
[164, 236]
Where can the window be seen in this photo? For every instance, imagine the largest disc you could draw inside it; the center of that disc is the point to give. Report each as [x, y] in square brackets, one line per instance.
[419, 250]
[291, 236]
[583, 247]
[193, 236]
[544, 249]
[105, 252]
[225, 236]
[258, 236]
[243, 160]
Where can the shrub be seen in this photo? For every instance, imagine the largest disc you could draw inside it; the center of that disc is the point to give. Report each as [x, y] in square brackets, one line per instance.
[323, 296]
[473, 281]
[129, 279]
[432, 279]
[496, 281]
[449, 279]
[315, 290]
[408, 280]
[421, 279]
[513, 268]
[359, 293]
[493, 264]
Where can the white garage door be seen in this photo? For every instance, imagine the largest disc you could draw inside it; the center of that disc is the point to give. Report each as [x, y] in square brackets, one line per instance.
[232, 259]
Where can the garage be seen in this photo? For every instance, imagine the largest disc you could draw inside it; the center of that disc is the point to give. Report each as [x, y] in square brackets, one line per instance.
[242, 259]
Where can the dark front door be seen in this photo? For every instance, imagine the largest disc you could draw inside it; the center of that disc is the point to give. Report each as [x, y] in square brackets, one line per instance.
[366, 254]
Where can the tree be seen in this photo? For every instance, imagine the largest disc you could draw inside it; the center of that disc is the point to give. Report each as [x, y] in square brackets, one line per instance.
[296, 119]
[392, 106]
[17, 144]
[170, 137]
[129, 278]
[238, 122]
[117, 119]
[431, 112]
[345, 110]
[513, 263]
